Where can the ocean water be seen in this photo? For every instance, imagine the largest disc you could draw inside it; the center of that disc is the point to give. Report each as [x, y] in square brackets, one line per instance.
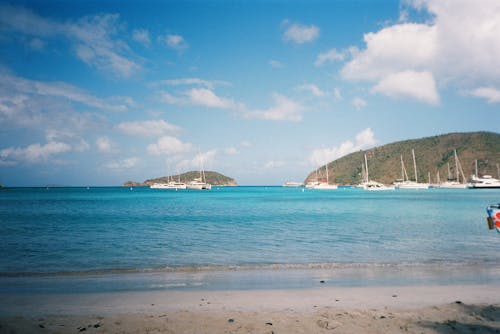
[73, 235]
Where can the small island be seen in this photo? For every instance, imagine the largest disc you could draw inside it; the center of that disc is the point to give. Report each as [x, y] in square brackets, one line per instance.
[214, 178]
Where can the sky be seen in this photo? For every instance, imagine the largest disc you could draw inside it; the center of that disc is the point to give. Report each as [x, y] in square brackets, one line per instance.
[96, 93]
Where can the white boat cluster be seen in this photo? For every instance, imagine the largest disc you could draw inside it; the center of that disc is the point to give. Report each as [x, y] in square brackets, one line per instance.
[459, 182]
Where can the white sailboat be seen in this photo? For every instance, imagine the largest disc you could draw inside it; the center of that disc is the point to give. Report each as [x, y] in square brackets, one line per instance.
[371, 185]
[455, 184]
[170, 185]
[199, 183]
[322, 185]
[313, 183]
[406, 183]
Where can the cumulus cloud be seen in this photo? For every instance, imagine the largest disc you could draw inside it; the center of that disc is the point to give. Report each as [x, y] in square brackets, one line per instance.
[329, 56]
[168, 145]
[359, 103]
[153, 128]
[434, 51]
[492, 95]
[363, 140]
[204, 97]
[92, 37]
[300, 34]
[123, 164]
[200, 160]
[142, 36]
[105, 145]
[284, 109]
[33, 153]
[416, 85]
[174, 41]
[312, 89]
[276, 64]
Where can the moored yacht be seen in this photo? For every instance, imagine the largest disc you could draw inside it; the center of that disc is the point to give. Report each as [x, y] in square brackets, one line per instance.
[367, 184]
[484, 182]
[325, 184]
[406, 183]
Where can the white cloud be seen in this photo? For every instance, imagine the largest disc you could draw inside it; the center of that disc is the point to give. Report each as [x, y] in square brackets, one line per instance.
[272, 164]
[11, 84]
[120, 165]
[311, 88]
[194, 82]
[67, 136]
[337, 94]
[458, 47]
[34, 153]
[207, 98]
[329, 56]
[200, 97]
[489, 93]
[154, 128]
[201, 160]
[169, 145]
[300, 34]
[416, 85]
[91, 36]
[359, 103]
[363, 140]
[276, 64]
[105, 145]
[284, 109]
[246, 144]
[391, 50]
[174, 41]
[142, 36]
[231, 151]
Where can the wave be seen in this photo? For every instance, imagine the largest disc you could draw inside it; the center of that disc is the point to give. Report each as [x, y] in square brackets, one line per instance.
[437, 264]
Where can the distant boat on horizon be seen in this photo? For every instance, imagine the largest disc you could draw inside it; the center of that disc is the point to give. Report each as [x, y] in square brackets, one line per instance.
[293, 184]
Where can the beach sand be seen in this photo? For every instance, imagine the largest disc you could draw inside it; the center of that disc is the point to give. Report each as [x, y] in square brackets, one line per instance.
[397, 309]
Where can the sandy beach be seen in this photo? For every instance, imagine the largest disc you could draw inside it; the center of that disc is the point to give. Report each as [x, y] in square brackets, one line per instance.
[413, 309]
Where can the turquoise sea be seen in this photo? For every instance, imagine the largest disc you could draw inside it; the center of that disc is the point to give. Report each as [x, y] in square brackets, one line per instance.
[119, 238]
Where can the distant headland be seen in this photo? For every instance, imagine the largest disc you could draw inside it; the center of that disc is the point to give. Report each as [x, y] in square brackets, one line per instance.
[214, 178]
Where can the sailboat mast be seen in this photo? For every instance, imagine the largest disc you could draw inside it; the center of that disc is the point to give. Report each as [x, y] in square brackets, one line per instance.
[326, 167]
[438, 179]
[402, 168]
[366, 168]
[449, 173]
[414, 164]
[477, 175]
[456, 167]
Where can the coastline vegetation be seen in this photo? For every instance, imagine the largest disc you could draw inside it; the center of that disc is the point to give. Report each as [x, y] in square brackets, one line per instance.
[432, 155]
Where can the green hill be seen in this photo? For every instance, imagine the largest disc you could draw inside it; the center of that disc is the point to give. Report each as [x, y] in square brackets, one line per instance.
[213, 178]
[432, 155]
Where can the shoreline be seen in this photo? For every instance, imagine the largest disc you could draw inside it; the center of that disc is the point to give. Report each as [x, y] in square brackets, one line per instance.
[388, 309]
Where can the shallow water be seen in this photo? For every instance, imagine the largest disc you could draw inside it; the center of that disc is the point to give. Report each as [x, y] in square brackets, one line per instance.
[114, 231]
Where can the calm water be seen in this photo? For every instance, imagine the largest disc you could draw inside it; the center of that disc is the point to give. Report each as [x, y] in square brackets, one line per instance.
[113, 230]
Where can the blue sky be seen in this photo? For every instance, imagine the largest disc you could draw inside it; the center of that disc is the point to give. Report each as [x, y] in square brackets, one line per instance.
[101, 92]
